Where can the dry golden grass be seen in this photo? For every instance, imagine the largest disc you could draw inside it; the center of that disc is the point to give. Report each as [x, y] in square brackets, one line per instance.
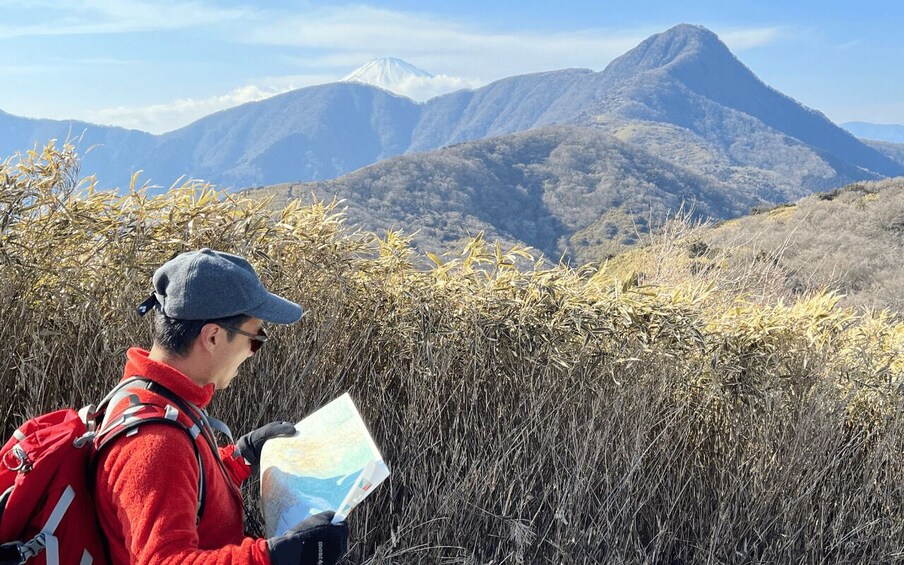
[529, 415]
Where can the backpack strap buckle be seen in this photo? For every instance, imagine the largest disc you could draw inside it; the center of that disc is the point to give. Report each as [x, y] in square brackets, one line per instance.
[84, 440]
[23, 464]
[32, 547]
[46, 540]
[88, 415]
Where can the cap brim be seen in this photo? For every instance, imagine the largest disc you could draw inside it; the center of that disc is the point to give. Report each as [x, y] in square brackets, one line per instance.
[277, 310]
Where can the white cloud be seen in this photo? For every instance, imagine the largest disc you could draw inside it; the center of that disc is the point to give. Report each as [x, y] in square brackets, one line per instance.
[440, 45]
[853, 44]
[422, 89]
[57, 65]
[747, 38]
[425, 88]
[338, 35]
[87, 17]
[164, 117]
[160, 118]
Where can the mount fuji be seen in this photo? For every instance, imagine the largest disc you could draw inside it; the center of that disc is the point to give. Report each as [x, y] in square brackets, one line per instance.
[394, 75]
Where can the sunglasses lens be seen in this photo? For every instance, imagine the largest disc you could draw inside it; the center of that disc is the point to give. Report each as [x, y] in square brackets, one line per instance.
[258, 343]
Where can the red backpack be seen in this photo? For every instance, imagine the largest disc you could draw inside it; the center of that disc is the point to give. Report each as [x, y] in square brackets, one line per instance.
[47, 470]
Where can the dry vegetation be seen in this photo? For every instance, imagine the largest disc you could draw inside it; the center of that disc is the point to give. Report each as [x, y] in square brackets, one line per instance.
[850, 240]
[530, 415]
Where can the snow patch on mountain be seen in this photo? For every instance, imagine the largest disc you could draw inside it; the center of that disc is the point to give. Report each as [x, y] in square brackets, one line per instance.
[386, 72]
[401, 77]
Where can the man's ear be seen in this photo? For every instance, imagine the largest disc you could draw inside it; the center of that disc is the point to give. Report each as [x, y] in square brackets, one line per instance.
[210, 336]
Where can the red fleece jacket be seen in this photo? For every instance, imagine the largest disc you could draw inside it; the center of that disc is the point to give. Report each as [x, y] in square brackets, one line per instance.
[147, 489]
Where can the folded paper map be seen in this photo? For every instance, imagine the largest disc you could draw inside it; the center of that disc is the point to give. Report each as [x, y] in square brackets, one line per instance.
[331, 463]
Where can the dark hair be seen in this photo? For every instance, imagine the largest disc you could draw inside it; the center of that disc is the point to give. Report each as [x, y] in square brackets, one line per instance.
[176, 336]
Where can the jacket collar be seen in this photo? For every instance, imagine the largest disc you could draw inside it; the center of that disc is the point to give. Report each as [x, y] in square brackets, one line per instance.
[139, 364]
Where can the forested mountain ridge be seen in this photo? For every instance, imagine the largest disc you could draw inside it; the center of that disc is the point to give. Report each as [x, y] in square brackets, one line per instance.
[108, 152]
[894, 151]
[566, 191]
[672, 75]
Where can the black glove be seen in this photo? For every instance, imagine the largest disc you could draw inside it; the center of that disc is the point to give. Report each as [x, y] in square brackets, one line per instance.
[314, 541]
[9, 553]
[251, 444]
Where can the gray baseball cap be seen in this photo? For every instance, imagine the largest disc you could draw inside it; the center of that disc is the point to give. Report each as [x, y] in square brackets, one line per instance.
[208, 284]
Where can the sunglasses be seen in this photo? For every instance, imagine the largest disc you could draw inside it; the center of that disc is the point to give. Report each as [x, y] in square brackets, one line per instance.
[257, 340]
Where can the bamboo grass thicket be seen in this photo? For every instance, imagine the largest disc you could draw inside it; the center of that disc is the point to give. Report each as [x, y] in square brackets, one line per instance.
[530, 414]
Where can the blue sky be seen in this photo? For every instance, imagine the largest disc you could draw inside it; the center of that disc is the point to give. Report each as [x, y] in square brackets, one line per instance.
[157, 66]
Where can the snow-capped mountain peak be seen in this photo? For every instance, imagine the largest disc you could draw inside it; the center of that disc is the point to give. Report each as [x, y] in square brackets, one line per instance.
[389, 73]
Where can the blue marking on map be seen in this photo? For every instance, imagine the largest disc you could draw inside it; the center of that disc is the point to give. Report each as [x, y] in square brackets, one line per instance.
[311, 496]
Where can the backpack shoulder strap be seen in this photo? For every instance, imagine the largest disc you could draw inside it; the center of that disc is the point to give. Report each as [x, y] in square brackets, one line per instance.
[124, 422]
[205, 423]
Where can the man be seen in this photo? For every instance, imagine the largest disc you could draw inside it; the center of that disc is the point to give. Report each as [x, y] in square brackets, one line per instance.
[163, 497]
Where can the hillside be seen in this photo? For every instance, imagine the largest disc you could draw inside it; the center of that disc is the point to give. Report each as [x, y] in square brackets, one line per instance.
[569, 191]
[108, 152]
[585, 196]
[850, 240]
[313, 133]
[894, 151]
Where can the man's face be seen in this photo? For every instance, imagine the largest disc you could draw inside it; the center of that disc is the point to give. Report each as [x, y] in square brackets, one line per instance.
[232, 353]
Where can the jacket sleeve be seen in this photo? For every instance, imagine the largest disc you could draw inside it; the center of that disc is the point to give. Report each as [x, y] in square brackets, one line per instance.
[238, 469]
[148, 485]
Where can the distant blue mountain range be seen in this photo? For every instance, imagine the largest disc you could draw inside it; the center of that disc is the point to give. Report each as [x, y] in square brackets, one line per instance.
[680, 94]
[878, 132]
